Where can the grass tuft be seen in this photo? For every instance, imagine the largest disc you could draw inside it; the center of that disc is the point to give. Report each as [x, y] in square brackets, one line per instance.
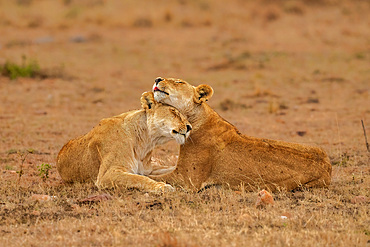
[28, 68]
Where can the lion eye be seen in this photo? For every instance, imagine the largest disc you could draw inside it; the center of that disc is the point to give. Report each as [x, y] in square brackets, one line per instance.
[179, 82]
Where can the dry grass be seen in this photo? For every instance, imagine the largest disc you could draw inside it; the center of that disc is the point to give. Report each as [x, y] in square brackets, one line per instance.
[291, 70]
[213, 217]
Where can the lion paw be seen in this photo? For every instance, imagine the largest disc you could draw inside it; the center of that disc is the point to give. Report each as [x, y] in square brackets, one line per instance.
[169, 188]
[163, 187]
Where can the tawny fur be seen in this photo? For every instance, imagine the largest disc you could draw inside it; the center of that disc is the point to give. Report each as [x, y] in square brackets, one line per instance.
[217, 154]
[117, 152]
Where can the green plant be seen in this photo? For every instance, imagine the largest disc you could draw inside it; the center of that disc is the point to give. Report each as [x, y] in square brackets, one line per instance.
[342, 160]
[44, 171]
[26, 69]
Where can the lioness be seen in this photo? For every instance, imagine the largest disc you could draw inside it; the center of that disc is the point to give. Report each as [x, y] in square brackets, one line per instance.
[117, 152]
[217, 154]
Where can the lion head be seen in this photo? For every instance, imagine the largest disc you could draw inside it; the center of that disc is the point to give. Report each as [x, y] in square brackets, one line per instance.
[164, 120]
[180, 94]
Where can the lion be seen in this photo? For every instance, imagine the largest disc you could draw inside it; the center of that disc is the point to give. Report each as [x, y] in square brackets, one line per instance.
[218, 154]
[117, 152]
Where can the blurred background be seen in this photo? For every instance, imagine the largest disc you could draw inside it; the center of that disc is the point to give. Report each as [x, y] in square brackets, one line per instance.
[285, 69]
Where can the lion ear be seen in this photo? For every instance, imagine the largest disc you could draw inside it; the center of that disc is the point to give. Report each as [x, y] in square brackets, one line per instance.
[147, 100]
[202, 93]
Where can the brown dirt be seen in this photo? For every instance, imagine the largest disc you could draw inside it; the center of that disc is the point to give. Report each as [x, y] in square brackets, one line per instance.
[290, 70]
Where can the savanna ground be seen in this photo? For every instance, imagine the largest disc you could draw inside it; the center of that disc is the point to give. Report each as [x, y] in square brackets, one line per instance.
[291, 70]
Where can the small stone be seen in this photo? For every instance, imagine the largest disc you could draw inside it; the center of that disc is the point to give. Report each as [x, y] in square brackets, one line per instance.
[313, 101]
[301, 133]
[286, 215]
[264, 198]
[78, 39]
[44, 198]
[44, 40]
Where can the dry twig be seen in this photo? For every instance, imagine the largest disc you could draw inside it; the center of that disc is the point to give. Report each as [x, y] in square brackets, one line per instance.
[367, 144]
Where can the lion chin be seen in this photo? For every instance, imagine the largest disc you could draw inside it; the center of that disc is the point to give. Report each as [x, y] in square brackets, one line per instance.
[218, 154]
[117, 152]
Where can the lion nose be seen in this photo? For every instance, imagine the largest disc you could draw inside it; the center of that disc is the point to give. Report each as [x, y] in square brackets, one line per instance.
[158, 80]
[188, 127]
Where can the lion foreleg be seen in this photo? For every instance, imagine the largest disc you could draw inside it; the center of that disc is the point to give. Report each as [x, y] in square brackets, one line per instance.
[173, 178]
[117, 177]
